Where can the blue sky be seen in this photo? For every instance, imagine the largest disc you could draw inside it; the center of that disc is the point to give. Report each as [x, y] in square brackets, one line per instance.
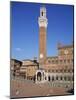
[25, 28]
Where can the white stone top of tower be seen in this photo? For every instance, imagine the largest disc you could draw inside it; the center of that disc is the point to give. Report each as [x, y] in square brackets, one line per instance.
[43, 12]
[42, 20]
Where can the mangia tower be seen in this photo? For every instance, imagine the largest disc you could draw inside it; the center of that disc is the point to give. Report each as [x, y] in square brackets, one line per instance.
[42, 21]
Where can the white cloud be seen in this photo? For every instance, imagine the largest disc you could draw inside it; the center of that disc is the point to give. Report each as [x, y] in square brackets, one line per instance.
[18, 49]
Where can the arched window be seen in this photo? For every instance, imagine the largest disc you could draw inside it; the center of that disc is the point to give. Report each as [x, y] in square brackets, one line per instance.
[56, 77]
[52, 78]
[61, 78]
[69, 70]
[65, 78]
[61, 70]
[48, 78]
[52, 61]
[65, 70]
[56, 70]
[52, 70]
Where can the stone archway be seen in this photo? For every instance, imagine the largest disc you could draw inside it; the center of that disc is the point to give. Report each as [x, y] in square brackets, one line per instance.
[39, 76]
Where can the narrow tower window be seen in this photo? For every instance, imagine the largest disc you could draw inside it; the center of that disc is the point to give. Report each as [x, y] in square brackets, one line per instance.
[42, 13]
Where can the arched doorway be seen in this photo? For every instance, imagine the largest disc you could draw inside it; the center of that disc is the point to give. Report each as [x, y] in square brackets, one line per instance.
[39, 76]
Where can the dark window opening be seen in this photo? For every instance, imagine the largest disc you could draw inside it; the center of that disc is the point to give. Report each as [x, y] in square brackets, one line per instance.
[42, 13]
[52, 78]
[61, 78]
[48, 78]
[56, 77]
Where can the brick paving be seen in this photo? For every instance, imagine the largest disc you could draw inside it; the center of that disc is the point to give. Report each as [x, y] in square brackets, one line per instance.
[23, 88]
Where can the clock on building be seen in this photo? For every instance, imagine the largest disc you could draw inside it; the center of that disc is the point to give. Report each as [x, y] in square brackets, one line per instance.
[41, 55]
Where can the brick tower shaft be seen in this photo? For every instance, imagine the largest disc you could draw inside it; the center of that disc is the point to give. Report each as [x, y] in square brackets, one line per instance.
[42, 45]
